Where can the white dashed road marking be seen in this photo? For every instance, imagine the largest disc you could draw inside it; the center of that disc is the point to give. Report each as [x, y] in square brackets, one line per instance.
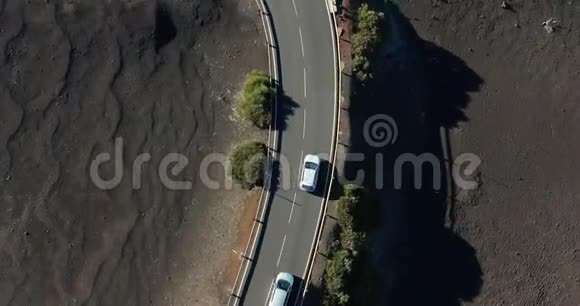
[292, 209]
[301, 40]
[281, 251]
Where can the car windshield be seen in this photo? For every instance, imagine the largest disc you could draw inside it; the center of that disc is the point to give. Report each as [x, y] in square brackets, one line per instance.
[310, 165]
[284, 285]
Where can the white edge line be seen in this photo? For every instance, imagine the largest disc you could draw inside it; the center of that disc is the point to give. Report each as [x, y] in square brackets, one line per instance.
[281, 251]
[270, 290]
[295, 9]
[304, 82]
[304, 125]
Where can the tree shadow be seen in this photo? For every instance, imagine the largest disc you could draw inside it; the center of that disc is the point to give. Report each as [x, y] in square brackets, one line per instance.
[314, 296]
[285, 107]
[325, 180]
[425, 89]
[336, 188]
[165, 29]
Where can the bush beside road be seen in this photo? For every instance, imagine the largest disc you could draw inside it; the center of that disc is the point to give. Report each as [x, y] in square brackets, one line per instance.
[365, 41]
[254, 103]
[355, 211]
[247, 162]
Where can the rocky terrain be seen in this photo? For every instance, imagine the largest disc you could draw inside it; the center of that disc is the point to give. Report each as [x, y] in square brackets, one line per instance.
[76, 75]
[524, 219]
[499, 80]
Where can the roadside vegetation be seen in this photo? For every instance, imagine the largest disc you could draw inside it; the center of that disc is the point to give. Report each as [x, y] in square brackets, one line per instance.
[248, 162]
[366, 40]
[254, 103]
[343, 272]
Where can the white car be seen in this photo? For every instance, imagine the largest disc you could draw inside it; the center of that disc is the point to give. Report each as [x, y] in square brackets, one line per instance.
[281, 289]
[309, 177]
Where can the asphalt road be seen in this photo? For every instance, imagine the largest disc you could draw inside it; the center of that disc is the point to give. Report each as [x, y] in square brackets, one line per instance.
[307, 72]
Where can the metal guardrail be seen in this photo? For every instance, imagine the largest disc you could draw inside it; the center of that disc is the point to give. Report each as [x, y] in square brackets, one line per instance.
[257, 226]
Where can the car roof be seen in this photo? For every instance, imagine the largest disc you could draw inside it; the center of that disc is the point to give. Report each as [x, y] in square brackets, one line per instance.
[312, 158]
[285, 276]
[308, 176]
[279, 295]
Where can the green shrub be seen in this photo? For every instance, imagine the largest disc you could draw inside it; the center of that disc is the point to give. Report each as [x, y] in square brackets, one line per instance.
[345, 211]
[353, 208]
[247, 162]
[254, 104]
[365, 40]
[356, 209]
[337, 270]
[347, 207]
[351, 240]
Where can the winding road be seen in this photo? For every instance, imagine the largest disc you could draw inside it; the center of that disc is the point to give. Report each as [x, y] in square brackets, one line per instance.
[305, 120]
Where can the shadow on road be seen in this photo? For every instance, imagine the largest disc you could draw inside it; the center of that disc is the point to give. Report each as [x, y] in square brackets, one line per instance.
[419, 260]
[285, 109]
[313, 297]
[285, 105]
[324, 173]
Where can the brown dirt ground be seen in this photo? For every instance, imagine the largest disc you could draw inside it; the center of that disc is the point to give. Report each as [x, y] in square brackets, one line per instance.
[245, 222]
[472, 77]
[74, 75]
[524, 220]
